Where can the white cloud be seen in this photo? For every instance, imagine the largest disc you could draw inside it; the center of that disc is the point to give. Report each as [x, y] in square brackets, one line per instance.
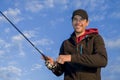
[95, 4]
[34, 6]
[49, 3]
[15, 43]
[10, 73]
[18, 39]
[97, 17]
[22, 53]
[44, 42]
[36, 67]
[4, 44]
[90, 4]
[7, 30]
[4, 48]
[1, 52]
[28, 34]
[1, 19]
[113, 69]
[115, 15]
[13, 15]
[55, 21]
[113, 43]
[12, 12]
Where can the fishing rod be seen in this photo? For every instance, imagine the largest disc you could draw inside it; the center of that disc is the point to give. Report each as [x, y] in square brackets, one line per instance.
[43, 55]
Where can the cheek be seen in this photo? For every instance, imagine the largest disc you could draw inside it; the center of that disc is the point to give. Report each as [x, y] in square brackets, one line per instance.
[73, 23]
[74, 26]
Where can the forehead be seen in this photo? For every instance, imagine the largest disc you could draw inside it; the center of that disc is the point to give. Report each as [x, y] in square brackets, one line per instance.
[77, 16]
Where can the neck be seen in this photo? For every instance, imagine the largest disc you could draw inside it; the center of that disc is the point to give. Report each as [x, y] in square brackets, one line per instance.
[79, 33]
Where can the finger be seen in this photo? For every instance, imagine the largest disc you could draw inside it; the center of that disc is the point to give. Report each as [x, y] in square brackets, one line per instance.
[42, 58]
[60, 61]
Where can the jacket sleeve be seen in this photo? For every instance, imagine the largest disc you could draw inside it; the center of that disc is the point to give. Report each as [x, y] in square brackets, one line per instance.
[59, 69]
[97, 59]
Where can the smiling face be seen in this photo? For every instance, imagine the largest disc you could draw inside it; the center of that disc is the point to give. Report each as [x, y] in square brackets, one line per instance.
[79, 25]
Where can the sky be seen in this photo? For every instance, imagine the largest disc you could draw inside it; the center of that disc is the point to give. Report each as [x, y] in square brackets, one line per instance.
[47, 23]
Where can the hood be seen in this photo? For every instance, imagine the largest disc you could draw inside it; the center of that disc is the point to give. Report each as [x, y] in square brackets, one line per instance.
[86, 34]
[91, 30]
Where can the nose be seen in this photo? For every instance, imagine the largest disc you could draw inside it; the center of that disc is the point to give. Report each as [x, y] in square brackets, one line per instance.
[79, 22]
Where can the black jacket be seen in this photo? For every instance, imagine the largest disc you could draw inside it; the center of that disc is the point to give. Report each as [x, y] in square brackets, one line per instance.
[88, 57]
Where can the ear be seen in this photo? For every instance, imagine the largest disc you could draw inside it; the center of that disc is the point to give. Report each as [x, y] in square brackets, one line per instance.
[87, 22]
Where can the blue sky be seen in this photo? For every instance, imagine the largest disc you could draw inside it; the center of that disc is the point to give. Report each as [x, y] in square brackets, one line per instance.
[47, 23]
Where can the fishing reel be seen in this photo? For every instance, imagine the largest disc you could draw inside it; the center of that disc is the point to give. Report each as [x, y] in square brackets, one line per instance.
[50, 66]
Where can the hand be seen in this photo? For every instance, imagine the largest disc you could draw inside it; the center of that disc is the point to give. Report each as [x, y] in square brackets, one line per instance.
[50, 60]
[63, 58]
[50, 64]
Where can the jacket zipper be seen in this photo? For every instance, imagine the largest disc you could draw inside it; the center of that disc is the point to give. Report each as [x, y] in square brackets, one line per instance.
[77, 48]
[81, 49]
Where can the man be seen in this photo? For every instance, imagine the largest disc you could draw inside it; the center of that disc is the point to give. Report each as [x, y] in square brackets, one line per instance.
[83, 54]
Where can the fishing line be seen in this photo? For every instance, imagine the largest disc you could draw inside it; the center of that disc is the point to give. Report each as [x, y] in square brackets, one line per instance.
[43, 55]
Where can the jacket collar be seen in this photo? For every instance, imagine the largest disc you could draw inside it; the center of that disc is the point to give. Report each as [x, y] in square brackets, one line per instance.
[88, 33]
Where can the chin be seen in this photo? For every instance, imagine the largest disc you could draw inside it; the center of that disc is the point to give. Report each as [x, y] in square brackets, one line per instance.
[78, 31]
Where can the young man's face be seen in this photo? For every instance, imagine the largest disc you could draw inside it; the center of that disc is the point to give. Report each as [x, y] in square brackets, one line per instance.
[79, 24]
